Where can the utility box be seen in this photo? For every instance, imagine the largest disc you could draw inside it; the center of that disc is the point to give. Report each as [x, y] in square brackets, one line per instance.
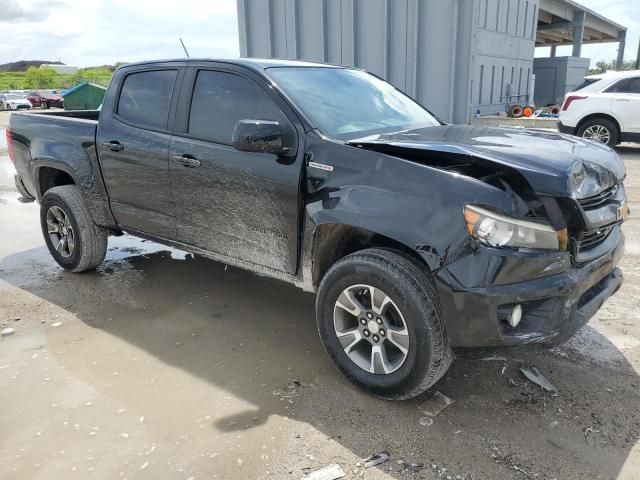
[556, 76]
[456, 57]
[85, 96]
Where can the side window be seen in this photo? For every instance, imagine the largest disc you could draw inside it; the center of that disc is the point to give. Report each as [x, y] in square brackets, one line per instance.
[633, 86]
[618, 87]
[221, 99]
[145, 98]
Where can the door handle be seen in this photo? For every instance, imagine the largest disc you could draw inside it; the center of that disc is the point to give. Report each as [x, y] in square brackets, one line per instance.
[622, 99]
[113, 145]
[186, 160]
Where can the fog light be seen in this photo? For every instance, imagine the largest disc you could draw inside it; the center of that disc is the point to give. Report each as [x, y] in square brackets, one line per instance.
[515, 316]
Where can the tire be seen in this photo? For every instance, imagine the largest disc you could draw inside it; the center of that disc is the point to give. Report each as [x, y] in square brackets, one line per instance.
[89, 241]
[412, 307]
[46, 106]
[594, 130]
[515, 111]
[8, 107]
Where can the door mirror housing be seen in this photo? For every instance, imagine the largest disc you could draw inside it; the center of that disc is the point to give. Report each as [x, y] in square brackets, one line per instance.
[263, 136]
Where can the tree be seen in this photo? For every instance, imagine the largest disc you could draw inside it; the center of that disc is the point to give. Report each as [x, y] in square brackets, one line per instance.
[98, 75]
[602, 66]
[43, 77]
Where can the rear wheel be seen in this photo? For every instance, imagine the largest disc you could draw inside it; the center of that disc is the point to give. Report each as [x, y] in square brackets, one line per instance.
[8, 106]
[601, 130]
[46, 105]
[380, 322]
[74, 241]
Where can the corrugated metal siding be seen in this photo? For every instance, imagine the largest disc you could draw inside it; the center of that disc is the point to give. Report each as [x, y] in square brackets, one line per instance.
[505, 43]
[433, 50]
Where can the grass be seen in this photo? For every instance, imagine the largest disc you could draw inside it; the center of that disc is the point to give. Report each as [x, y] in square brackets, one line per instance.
[58, 81]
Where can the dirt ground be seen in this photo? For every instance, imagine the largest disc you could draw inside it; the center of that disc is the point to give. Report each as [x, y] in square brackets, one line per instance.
[162, 365]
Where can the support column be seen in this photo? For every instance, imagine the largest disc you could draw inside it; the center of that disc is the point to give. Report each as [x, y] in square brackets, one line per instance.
[638, 57]
[553, 51]
[578, 33]
[621, 41]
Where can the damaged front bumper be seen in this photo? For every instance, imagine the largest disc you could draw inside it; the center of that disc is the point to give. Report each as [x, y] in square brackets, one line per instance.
[557, 297]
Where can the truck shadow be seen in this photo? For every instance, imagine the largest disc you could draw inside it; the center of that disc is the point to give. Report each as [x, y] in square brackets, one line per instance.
[250, 335]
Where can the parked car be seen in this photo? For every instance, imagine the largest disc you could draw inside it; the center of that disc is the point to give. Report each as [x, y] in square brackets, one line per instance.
[11, 101]
[45, 100]
[417, 236]
[604, 108]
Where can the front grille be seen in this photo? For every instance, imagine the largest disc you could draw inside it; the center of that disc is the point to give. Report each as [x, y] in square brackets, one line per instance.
[599, 199]
[593, 239]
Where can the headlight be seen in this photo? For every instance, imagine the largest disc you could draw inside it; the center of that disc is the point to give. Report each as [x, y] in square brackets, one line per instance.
[498, 230]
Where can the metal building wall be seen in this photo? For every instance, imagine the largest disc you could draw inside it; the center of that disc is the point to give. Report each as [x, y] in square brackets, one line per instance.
[437, 51]
[505, 45]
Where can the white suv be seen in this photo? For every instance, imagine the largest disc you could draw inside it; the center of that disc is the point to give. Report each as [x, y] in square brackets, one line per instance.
[605, 108]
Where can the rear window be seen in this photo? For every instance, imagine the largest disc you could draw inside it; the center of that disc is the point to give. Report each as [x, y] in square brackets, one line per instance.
[145, 98]
[586, 83]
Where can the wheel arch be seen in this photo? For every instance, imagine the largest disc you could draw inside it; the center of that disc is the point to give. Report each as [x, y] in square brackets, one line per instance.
[333, 241]
[48, 177]
[593, 116]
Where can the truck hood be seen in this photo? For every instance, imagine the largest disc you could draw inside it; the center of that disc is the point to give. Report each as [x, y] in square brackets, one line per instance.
[552, 163]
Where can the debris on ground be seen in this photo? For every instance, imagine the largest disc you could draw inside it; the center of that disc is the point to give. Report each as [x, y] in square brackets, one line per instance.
[494, 358]
[589, 430]
[292, 389]
[376, 459]
[330, 472]
[534, 375]
[434, 405]
[425, 421]
[56, 324]
[7, 331]
[411, 468]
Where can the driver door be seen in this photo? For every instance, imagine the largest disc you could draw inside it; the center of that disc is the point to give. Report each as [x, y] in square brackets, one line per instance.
[242, 205]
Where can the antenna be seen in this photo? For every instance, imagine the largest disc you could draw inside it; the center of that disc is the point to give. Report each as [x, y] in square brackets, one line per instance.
[185, 48]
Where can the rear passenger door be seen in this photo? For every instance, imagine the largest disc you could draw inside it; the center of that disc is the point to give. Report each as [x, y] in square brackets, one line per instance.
[626, 104]
[243, 205]
[133, 142]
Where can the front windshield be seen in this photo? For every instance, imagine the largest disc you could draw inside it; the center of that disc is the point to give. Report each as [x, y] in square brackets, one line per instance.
[348, 104]
[14, 97]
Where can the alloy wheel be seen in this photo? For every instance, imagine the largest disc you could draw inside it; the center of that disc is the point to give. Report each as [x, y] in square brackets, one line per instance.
[371, 329]
[598, 133]
[60, 231]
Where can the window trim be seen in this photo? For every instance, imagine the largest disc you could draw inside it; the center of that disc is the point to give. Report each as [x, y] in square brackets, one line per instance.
[187, 100]
[176, 89]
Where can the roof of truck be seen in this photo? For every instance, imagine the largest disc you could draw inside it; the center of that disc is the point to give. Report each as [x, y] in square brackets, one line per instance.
[255, 63]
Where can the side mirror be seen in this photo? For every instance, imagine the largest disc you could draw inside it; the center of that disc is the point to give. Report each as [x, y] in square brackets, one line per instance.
[263, 136]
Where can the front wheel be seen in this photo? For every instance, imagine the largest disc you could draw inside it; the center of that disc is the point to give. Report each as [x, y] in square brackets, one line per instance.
[380, 322]
[600, 130]
[75, 242]
[46, 106]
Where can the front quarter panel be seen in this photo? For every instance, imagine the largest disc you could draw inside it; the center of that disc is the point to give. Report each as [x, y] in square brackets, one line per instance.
[411, 203]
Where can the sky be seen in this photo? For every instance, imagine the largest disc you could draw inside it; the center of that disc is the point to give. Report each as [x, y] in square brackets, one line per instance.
[102, 32]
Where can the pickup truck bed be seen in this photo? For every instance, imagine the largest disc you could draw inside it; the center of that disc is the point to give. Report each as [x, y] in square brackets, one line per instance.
[61, 150]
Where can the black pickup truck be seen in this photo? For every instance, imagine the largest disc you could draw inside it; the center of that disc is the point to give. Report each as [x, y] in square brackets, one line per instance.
[417, 236]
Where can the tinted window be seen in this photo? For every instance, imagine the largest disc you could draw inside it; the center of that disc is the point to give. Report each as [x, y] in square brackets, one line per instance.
[619, 86]
[145, 98]
[633, 86]
[586, 83]
[221, 99]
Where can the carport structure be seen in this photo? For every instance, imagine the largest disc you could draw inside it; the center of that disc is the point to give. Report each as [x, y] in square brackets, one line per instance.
[565, 22]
